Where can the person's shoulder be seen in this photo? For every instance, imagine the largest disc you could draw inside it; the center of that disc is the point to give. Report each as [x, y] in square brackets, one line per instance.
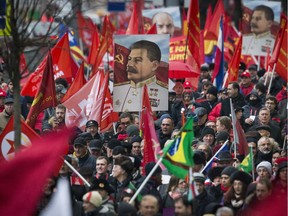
[162, 84]
[122, 84]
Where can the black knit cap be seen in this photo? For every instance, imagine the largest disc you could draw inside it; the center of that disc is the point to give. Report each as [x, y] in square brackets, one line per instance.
[207, 130]
[212, 90]
[113, 143]
[215, 172]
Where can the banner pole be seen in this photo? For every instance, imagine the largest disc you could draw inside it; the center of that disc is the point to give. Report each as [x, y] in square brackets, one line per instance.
[146, 179]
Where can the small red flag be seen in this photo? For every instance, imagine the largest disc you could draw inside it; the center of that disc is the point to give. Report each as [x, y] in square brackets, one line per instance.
[77, 84]
[135, 25]
[25, 176]
[94, 48]
[45, 96]
[86, 29]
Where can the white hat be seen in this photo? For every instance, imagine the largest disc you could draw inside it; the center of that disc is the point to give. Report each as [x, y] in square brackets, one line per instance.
[93, 197]
[267, 165]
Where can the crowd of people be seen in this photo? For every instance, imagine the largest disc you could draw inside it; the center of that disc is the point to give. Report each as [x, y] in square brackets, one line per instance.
[111, 162]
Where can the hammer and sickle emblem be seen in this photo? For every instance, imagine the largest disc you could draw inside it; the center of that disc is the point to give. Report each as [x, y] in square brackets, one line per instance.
[147, 26]
[119, 58]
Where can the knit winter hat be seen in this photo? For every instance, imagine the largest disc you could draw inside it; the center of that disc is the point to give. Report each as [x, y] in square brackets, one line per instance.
[93, 197]
[267, 165]
[132, 130]
[213, 90]
[199, 177]
[207, 130]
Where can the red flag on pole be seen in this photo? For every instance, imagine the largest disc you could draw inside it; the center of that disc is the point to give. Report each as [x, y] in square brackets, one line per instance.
[211, 33]
[151, 143]
[77, 84]
[94, 48]
[86, 29]
[152, 30]
[108, 116]
[61, 67]
[23, 178]
[7, 138]
[81, 106]
[232, 72]
[105, 42]
[45, 96]
[135, 25]
[194, 35]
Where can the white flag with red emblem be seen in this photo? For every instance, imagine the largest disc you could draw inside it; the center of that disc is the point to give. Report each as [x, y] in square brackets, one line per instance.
[7, 139]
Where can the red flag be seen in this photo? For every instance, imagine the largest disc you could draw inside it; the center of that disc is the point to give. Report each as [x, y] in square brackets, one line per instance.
[194, 35]
[7, 138]
[213, 28]
[232, 72]
[45, 96]
[267, 58]
[61, 67]
[152, 30]
[108, 116]
[279, 56]
[135, 25]
[23, 178]
[151, 143]
[94, 48]
[23, 70]
[77, 84]
[86, 29]
[87, 103]
[105, 42]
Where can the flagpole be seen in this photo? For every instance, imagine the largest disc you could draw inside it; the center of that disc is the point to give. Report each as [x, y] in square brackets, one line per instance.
[146, 179]
[220, 149]
[273, 70]
[252, 159]
[77, 173]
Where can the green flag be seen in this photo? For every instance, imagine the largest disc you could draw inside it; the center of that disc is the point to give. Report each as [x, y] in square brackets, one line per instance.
[247, 163]
[178, 155]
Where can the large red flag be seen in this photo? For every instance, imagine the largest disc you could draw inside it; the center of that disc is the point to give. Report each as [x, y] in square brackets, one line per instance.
[105, 42]
[23, 70]
[151, 143]
[77, 84]
[23, 178]
[61, 67]
[135, 25]
[211, 33]
[45, 96]
[232, 72]
[279, 56]
[86, 29]
[82, 104]
[194, 35]
[7, 138]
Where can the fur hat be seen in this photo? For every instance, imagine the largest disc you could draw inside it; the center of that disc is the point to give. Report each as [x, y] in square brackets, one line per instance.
[215, 172]
[93, 197]
[101, 184]
[241, 176]
[229, 170]
[266, 165]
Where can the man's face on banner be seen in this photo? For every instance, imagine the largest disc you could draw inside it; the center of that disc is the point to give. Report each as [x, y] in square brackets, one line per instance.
[164, 24]
[259, 24]
[139, 67]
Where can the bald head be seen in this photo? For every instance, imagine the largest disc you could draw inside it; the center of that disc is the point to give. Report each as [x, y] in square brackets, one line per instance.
[149, 205]
[164, 23]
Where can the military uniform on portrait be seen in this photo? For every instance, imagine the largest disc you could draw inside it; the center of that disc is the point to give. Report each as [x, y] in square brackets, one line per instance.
[257, 45]
[128, 95]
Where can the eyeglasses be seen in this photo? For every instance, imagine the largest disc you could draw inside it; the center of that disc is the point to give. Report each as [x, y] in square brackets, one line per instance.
[125, 123]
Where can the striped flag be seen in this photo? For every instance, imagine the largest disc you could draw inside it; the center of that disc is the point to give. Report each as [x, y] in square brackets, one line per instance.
[218, 74]
[192, 192]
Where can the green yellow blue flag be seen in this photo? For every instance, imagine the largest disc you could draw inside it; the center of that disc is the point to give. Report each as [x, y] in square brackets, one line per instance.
[247, 163]
[178, 155]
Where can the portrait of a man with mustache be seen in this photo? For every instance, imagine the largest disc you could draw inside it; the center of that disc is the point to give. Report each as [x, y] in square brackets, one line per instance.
[142, 64]
[261, 37]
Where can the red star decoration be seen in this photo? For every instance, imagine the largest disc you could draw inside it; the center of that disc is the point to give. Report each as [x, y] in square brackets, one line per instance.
[12, 147]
